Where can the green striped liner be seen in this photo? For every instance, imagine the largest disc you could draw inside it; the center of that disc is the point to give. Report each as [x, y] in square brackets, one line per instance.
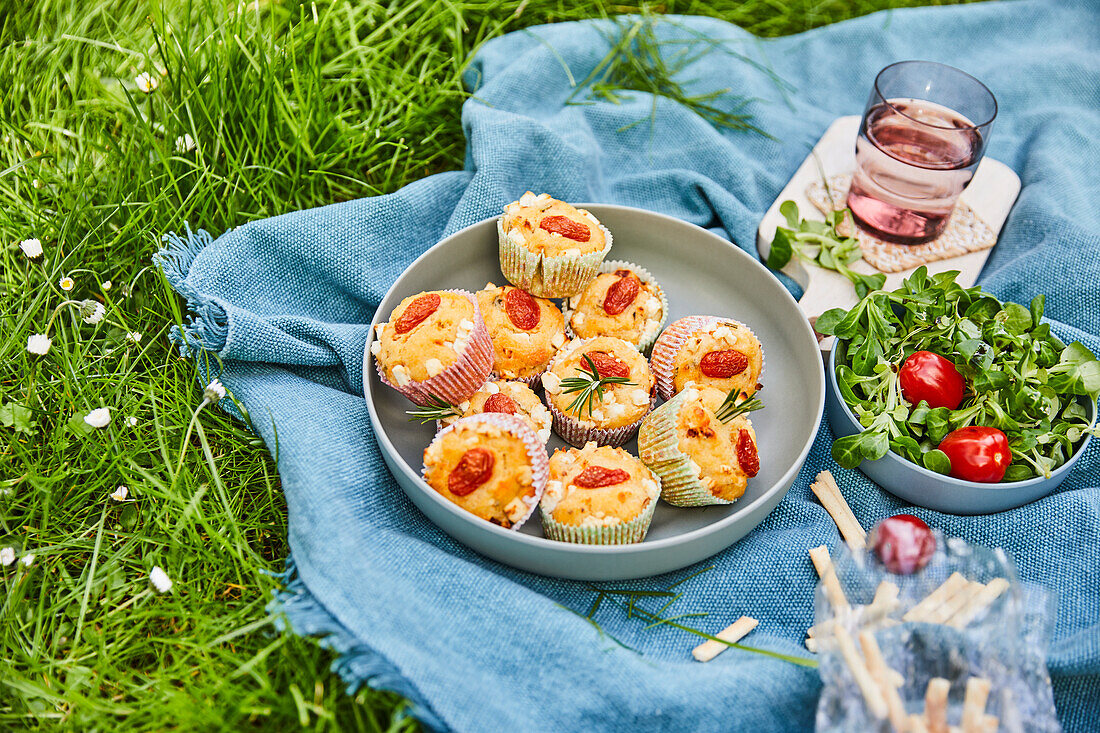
[548, 277]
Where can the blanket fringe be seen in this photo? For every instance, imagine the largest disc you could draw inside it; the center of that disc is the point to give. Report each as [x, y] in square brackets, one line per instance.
[295, 608]
[208, 327]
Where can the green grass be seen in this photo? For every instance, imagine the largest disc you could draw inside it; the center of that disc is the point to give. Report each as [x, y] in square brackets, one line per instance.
[291, 106]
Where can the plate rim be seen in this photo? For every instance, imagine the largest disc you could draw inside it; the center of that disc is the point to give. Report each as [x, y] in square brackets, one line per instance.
[782, 484]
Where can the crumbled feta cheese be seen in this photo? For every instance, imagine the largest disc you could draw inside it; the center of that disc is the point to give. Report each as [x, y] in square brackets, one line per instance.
[558, 340]
[522, 336]
[572, 252]
[466, 325]
[544, 434]
[433, 366]
[401, 375]
[639, 397]
[616, 410]
[652, 305]
[375, 347]
[551, 383]
[578, 319]
[516, 236]
[527, 199]
[722, 332]
[597, 413]
[552, 496]
[600, 521]
[491, 387]
[516, 509]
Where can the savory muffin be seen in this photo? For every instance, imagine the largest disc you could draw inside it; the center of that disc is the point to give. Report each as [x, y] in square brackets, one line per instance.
[548, 247]
[610, 418]
[509, 398]
[711, 352]
[492, 465]
[701, 459]
[598, 495]
[434, 345]
[623, 301]
[526, 331]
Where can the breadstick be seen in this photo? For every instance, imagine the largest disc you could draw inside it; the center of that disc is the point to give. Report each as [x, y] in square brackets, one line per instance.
[935, 704]
[978, 603]
[733, 633]
[977, 694]
[916, 724]
[871, 694]
[948, 588]
[811, 644]
[877, 666]
[828, 493]
[952, 605]
[990, 724]
[825, 570]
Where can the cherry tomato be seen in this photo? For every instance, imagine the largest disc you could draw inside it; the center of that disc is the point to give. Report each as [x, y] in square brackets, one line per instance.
[977, 453]
[904, 543]
[930, 377]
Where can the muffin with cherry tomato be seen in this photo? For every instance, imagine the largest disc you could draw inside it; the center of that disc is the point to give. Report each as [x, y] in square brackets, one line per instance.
[702, 445]
[526, 331]
[434, 346]
[623, 301]
[492, 465]
[548, 247]
[708, 351]
[598, 495]
[598, 389]
[509, 398]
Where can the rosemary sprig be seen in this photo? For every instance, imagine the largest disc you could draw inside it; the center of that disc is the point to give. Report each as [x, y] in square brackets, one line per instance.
[731, 407]
[628, 600]
[436, 409]
[590, 387]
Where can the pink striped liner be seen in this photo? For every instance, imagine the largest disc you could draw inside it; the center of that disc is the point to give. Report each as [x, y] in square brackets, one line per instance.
[460, 380]
[662, 362]
[536, 452]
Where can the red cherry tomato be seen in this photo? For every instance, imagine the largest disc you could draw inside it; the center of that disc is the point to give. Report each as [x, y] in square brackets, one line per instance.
[930, 377]
[977, 453]
[904, 543]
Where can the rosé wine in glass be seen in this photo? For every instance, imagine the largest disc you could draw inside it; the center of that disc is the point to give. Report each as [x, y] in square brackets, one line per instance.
[915, 155]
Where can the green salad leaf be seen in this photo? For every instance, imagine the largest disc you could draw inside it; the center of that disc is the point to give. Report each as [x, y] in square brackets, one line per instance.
[1020, 378]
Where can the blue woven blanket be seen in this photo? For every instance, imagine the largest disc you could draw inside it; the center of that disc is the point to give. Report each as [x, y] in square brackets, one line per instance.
[284, 304]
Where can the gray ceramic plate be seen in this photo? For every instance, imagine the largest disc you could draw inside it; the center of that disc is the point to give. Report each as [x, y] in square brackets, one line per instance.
[917, 485]
[701, 274]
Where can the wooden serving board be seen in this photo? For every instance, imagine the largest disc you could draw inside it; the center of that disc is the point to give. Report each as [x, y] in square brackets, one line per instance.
[990, 196]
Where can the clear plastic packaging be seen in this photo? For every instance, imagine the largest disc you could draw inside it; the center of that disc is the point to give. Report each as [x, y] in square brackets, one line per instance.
[962, 640]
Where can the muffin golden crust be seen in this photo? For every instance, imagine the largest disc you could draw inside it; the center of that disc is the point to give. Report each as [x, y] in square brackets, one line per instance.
[598, 486]
[547, 226]
[621, 404]
[486, 467]
[526, 331]
[509, 398]
[724, 453]
[424, 335]
[711, 352]
[623, 301]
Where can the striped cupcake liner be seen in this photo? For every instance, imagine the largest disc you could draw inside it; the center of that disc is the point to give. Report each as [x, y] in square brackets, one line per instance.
[624, 533]
[645, 276]
[576, 433]
[536, 453]
[533, 381]
[548, 277]
[457, 382]
[659, 450]
[662, 361]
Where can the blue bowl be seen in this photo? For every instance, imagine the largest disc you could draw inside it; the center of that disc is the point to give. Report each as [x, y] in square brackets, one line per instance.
[917, 485]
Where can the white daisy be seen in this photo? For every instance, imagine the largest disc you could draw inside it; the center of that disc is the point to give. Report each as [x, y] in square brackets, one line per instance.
[27, 559]
[160, 580]
[214, 391]
[131, 421]
[185, 143]
[31, 248]
[66, 283]
[39, 343]
[133, 337]
[92, 311]
[106, 285]
[146, 82]
[120, 493]
[98, 418]
[7, 556]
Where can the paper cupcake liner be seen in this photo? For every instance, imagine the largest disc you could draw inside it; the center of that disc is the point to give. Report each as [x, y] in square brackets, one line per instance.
[532, 381]
[662, 361]
[548, 277]
[644, 275]
[624, 533]
[536, 452]
[577, 433]
[459, 380]
[659, 450]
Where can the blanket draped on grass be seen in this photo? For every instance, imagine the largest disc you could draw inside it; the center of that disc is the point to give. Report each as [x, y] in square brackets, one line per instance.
[284, 304]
